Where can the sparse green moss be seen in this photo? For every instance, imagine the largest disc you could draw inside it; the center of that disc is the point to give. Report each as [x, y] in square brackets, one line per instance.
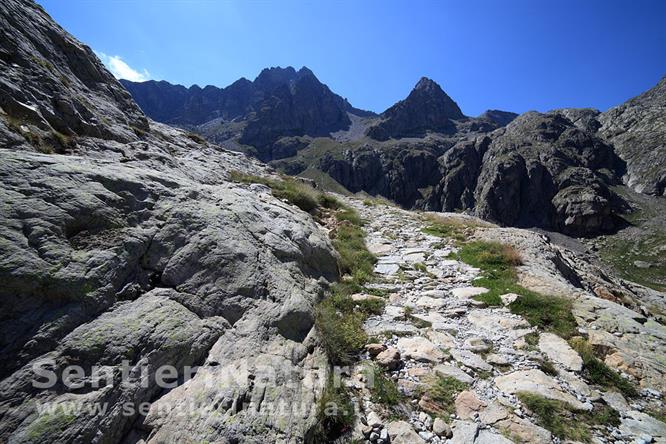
[43, 63]
[196, 138]
[295, 192]
[335, 413]
[49, 425]
[547, 367]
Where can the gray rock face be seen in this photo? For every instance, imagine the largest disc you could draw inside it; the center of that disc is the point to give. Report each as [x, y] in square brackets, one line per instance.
[501, 118]
[541, 170]
[54, 89]
[135, 252]
[222, 256]
[637, 129]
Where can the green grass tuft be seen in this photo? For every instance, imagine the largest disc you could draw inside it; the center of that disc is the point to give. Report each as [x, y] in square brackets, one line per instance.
[597, 372]
[549, 313]
[383, 390]
[442, 392]
[335, 413]
[563, 421]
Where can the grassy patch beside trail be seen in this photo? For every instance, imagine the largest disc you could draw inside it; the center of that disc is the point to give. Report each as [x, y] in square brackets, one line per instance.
[383, 390]
[597, 372]
[335, 413]
[338, 318]
[448, 227]
[565, 422]
[440, 394]
[297, 193]
[497, 263]
[549, 313]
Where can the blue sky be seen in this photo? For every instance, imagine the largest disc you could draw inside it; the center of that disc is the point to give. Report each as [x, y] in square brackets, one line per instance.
[515, 55]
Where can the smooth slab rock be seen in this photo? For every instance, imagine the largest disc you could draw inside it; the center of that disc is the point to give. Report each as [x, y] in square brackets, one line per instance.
[387, 268]
[616, 401]
[401, 432]
[464, 432]
[639, 423]
[467, 404]
[441, 428]
[380, 248]
[441, 339]
[494, 358]
[497, 320]
[488, 437]
[453, 372]
[493, 413]
[524, 430]
[428, 302]
[420, 349]
[389, 358]
[468, 292]
[376, 326]
[536, 381]
[558, 350]
[471, 360]
[509, 298]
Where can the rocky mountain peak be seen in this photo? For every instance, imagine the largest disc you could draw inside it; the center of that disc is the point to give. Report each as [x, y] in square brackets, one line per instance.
[271, 78]
[426, 108]
[427, 84]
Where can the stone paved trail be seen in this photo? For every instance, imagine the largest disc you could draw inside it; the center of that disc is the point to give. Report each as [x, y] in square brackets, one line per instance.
[432, 325]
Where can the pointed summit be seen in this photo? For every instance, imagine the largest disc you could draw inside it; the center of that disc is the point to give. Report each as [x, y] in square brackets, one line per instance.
[426, 83]
[426, 108]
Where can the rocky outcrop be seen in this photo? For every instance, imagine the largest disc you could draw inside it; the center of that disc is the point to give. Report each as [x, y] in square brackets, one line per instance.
[499, 117]
[398, 173]
[134, 253]
[637, 129]
[541, 170]
[156, 269]
[427, 108]
[53, 88]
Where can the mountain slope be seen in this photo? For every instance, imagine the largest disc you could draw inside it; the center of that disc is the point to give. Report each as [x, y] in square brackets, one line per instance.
[637, 129]
[280, 102]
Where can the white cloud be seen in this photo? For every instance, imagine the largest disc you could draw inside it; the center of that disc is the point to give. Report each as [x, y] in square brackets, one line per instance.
[122, 70]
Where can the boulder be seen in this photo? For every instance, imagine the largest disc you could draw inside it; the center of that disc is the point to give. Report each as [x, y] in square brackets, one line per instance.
[467, 404]
[537, 382]
[389, 358]
[558, 350]
[420, 349]
[401, 432]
